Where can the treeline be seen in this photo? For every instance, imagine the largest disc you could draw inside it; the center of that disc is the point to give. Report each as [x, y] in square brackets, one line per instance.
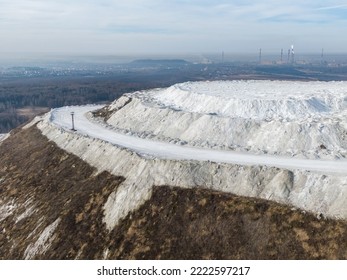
[18, 96]
[9, 120]
[53, 93]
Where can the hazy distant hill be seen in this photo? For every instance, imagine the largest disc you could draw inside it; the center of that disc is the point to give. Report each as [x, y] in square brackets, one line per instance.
[160, 62]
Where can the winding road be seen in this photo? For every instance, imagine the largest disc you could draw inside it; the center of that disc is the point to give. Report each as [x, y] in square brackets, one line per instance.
[61, 117]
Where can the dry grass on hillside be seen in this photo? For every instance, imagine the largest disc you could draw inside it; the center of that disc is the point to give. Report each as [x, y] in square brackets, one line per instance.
[201, 224]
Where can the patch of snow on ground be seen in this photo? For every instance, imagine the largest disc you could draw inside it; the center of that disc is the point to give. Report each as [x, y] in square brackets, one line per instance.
[42, 243]
[29, 210]
[7, 209]
[3, 137]
[33, 122]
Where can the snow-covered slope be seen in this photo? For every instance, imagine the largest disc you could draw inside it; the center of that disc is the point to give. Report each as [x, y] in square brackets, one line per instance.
[301, 119]
[153, 116]
[313, 191]
[162, 150]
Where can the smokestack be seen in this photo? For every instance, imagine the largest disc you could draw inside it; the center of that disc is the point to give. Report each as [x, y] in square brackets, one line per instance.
[292, 53]
[260, 56]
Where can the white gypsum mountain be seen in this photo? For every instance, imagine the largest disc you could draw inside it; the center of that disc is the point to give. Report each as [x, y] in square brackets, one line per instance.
[205, 123]
[300, 119]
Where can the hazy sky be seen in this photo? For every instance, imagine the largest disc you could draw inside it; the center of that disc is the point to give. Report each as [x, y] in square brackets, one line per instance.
[171, 26]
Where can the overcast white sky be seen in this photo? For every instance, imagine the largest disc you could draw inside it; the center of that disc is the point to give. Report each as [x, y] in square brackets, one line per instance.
[176, 26]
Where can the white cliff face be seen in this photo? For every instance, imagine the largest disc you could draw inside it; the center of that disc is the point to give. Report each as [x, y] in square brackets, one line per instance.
[310, 191]
[300, 119]
[140, 173]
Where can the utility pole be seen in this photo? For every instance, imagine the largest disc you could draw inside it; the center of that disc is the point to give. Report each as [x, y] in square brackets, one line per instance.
[73, 121]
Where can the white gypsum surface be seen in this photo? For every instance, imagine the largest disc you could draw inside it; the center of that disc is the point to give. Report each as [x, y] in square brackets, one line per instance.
[62, 117]
[287, 118]
[270, 126]
[317, 192]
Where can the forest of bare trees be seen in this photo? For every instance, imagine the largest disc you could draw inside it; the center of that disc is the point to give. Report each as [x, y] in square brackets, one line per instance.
[39, 95]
